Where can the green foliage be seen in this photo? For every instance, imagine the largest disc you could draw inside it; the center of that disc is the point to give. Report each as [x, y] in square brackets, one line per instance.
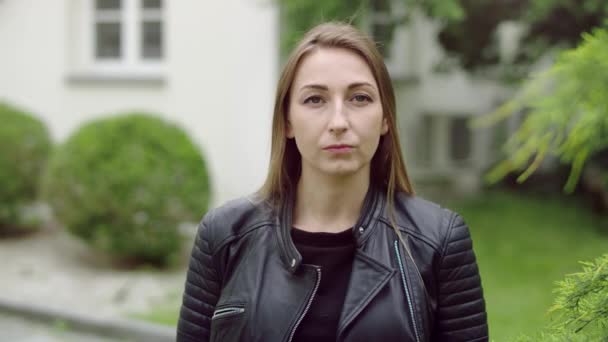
[581, 306]
[558, 23]
[582, 300]
[554, 337]
[549, 23]
[301, 15]
[468, 31]
[24, 149]
[124, 183]
[568, 112]
[472, 41]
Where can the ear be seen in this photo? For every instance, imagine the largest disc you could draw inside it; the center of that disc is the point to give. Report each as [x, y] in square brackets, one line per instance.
[384, 128]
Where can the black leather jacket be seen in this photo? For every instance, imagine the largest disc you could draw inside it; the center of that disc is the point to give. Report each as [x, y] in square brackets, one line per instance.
[246, 281]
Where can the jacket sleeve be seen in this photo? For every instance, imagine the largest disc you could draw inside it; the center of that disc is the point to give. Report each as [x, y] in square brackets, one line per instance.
[461, 312]
[201, 292]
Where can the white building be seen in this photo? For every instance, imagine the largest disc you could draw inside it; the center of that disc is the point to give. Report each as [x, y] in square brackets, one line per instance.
[435, 108]
[209, 66]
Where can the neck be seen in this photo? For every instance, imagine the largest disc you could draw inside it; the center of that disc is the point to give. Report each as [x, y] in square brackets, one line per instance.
[329, 204]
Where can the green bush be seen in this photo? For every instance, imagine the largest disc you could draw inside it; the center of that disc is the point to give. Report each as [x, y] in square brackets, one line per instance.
[24, 149]
[124, 184]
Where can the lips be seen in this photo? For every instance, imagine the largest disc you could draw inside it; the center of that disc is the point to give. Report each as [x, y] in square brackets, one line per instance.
[338, 147]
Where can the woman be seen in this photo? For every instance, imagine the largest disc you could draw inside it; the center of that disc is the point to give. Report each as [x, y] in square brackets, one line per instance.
[335, 246]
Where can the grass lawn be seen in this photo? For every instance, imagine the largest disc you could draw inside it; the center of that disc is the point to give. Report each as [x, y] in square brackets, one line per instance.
[165, 312]
[524, 244]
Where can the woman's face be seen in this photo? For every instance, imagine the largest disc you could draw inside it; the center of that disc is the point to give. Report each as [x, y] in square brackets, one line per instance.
[335, 113]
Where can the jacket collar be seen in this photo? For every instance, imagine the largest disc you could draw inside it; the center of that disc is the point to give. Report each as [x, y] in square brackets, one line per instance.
[372, 208]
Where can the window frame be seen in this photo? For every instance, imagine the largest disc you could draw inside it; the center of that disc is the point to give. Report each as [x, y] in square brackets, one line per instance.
[132, 64]
[436, 132]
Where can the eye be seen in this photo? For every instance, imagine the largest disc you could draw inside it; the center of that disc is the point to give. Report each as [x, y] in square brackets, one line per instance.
[315, 99]
[361, 98]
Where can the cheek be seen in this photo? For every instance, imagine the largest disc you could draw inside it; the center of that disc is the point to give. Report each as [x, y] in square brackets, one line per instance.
[304, 127]
[372, 135]
[371, 146]
[304, 137]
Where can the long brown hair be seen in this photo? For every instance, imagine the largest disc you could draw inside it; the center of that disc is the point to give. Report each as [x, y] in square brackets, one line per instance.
[387, 165]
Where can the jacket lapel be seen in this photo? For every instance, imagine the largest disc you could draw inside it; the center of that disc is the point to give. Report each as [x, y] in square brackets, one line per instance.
[368, 277]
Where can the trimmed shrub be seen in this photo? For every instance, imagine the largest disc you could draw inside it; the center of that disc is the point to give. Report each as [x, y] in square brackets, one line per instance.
[24, 149]
[125, 183]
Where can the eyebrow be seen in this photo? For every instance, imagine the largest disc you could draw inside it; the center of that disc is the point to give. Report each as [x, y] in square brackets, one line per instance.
[350, 86]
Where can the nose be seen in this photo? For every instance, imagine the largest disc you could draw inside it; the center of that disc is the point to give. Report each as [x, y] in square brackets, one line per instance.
[338, 122]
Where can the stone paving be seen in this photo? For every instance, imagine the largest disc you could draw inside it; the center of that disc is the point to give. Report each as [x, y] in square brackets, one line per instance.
[52, 269]
[16, 329]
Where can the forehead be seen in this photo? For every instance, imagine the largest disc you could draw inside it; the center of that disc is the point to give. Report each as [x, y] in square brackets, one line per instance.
[332, 66]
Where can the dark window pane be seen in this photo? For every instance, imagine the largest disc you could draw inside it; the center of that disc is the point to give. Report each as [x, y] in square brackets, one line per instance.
[425, 138]
[153, 4]
[107, 40]
[381, 5]
[152, 42]
[460, 139]
[107, 4]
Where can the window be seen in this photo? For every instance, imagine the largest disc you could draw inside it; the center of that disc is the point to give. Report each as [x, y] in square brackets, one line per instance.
[460, 139]
[151, 45]
[446, 141]
[122, 39]
[424, 151]
[108, 21]
[128, 31]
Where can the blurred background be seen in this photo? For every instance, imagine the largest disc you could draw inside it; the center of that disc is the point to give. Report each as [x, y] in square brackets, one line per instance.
[123, 121]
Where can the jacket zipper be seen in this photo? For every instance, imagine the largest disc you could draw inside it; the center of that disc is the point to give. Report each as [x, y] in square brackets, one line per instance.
[407, 292]
[219, 313]
[314, 291]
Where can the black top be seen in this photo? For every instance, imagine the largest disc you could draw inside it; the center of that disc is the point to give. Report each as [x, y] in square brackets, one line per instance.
[334, 253]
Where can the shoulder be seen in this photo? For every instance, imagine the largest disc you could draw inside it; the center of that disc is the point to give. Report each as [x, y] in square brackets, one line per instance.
[425, 220]
[233, 219]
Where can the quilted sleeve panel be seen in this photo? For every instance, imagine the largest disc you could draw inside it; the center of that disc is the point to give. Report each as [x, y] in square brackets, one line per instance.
[201, 292]
[461, 313]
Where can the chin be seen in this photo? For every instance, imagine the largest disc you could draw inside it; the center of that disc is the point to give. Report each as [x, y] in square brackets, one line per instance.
[341, 170]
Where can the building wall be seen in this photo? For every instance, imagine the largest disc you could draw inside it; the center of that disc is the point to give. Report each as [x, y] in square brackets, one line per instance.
[217, 81]
[429, 103]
